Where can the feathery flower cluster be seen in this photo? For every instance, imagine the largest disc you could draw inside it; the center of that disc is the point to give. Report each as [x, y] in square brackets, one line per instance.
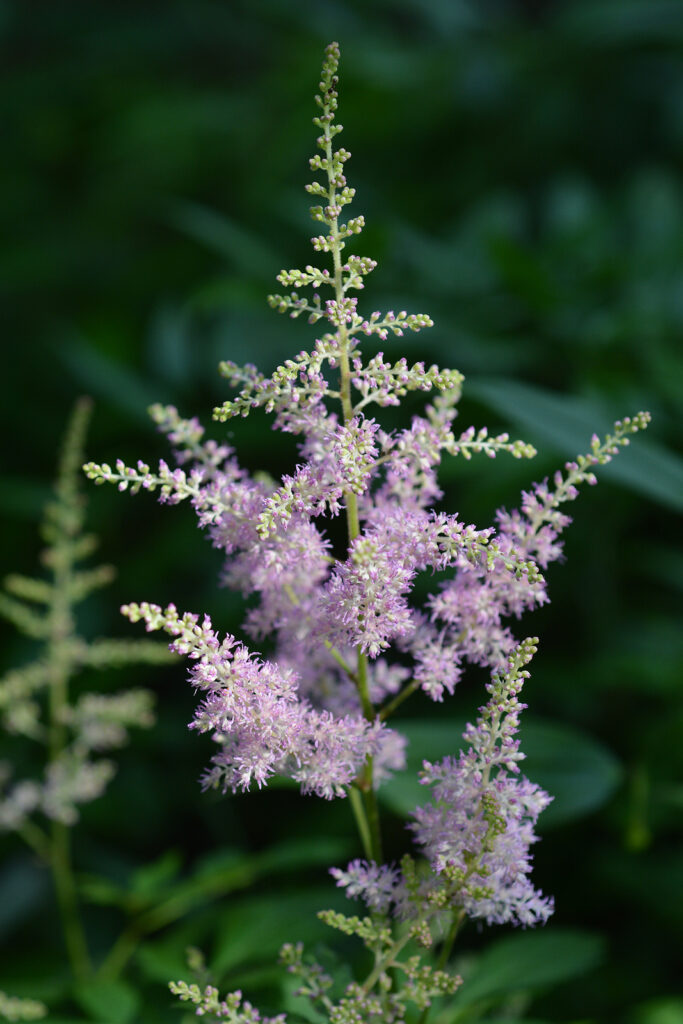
[315, 711]
[252, 710]
[326, 612]
[479, 826]
[34, 699]
[477, 830]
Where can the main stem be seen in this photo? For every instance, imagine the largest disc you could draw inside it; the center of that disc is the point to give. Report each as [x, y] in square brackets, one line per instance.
[59, 850]
[446, 951]
[365, 783]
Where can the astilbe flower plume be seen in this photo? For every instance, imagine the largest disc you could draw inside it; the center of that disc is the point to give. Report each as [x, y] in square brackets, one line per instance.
[477, 830]
[38, 702]
[253, 711]
[35, 702]
[315, 711]
[479, 826]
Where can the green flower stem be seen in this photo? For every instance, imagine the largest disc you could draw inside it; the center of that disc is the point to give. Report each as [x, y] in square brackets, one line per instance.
[361, 817]
[59, 851]
[353, 519]
[407, 691]
[67, 897]
[447, 947]
[386, 962]
[445, 954]
[160, 916]
[338, 657]
[34, 837]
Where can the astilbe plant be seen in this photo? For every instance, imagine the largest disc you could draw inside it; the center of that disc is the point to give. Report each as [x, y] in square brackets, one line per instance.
[38, 703]
[317, 711]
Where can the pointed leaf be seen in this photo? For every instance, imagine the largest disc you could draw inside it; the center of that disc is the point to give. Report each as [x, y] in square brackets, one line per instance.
[568, 422]
[530, 960]
[255, 929]
[244, 249]
[155, 877]
[108, 1002]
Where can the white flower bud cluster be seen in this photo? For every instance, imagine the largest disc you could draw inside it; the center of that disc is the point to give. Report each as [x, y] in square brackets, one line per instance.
[34, 699]
[473, 442]
[385, 383]
[13, 1008]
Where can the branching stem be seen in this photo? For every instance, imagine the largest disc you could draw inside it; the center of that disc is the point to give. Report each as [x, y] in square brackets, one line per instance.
[58, 852]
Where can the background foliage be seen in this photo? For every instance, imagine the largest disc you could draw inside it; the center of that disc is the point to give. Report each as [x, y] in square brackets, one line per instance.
[519, 167]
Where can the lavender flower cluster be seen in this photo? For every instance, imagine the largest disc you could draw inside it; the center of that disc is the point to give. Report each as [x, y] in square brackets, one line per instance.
[316, 711]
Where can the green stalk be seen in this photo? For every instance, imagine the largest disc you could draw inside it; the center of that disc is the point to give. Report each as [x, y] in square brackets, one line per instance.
[407, 691]
[353, 522]
[152, 920]
[59, 848]
[445, 954]
[67, 897]
[361, 817]
[386, 962]
[36, 838]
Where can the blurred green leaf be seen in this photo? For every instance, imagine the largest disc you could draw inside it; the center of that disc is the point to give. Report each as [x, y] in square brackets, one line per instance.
[567, 423]
[619, 21]
[671, 795]
[156, 876]
[155, 890]
[658, 1011]
[662, 563]
[514, 1020]
[24, 887]
[108, 1002]
[23, 498]
[645, 654]
[530, 961]
[169, 345]
[524, 273]
[225, 871]
[103, 891]
[51, 985]
[580, 773]
[651, 880]
[107, 379]
[576, 770]
[241, 247]
[51, 1019]
[296, 854]
[165, 959]
[255, 929]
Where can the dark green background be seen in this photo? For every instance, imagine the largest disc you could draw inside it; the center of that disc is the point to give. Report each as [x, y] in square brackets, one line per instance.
[518, 165]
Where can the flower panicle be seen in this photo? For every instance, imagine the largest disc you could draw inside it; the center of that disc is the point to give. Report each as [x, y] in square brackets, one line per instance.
[331, 607]
[477, 831]
[35, 699]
